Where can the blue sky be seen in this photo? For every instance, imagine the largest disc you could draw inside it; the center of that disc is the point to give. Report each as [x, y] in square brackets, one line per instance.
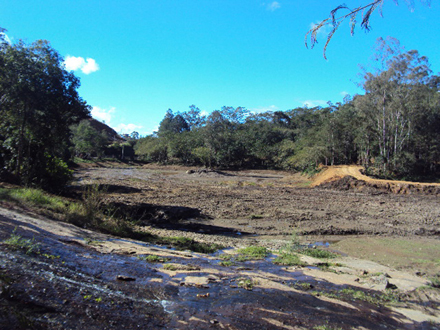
[138, 58]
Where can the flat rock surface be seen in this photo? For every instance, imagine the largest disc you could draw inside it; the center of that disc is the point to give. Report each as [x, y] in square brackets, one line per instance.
[72, 283]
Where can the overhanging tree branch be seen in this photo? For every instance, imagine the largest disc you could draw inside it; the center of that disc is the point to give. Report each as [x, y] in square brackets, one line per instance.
[334, 21]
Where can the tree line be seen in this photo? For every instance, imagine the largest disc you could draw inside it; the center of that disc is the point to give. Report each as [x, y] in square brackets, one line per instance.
[393, 129]
[38, 103]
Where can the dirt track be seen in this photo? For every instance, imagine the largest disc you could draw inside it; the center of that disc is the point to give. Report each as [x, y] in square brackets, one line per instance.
[331, 174]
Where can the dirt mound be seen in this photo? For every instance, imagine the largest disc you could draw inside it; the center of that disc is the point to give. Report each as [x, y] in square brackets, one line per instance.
[347, 177]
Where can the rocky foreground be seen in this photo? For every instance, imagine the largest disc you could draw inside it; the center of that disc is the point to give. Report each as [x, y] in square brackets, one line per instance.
[74, 278]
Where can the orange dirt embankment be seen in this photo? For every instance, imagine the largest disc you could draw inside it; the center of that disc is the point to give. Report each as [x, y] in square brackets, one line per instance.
[335, 173]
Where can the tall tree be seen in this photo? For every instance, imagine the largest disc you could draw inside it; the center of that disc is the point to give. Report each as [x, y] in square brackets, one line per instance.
[38, 102]
[390, 106]
[172, 124]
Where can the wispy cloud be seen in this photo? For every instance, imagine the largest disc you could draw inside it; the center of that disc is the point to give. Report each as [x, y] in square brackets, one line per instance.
[274, 5]
[7, 39]
[314, 103]
[265, 109]
[87, 66]
[323, 31]
[127, 128]
[104, 115]
[344, 93]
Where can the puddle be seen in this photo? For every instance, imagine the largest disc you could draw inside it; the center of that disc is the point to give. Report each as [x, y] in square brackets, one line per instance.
[320, 244]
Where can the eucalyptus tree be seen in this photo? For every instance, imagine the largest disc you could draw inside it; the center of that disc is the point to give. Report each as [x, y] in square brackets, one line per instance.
[194, 118]
[392, 105]
[39, 101]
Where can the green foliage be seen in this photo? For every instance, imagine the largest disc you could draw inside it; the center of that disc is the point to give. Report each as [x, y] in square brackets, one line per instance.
[87, 140]
[435, 282]
[57, 174]
[170, 267]
[152, 149]
[245, 283]
[39, 103]
[375, 298]
[317, 253]
[184, 243]
[392, 129]
[153, 258]
[19, 243]
[288, 259]
[33, 197]
[251, 253]
[204, 155]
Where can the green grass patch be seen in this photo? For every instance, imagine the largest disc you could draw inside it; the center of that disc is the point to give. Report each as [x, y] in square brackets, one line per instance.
[317, 253]
[91, 212]
[17, 242]
[288, 259]
[327, 266]
[170, 267]
[33, 197]
[387, 297]
[154, 258]
[185, 243]
[226, 263]
[225, 256]
[251, 253]
[246, 283]
[435, 282]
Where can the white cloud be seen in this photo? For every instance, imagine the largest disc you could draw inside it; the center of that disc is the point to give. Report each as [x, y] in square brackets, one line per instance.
[7, 39]
[103, 114]
[344, 93]
[314, 103]
[127, 128]
[273, 6]
[265, 109]
[87, 66]
[323, 31]
[90, 66]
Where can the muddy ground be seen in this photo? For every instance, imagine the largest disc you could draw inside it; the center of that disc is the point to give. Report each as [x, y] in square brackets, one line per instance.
[82, 279]
[262, 204]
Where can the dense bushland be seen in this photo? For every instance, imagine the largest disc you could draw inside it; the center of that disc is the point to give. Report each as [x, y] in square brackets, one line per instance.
[392, 129]
[38, 103]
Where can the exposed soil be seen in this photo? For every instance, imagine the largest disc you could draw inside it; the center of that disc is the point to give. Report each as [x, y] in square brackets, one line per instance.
[263, 204]
[83, 279]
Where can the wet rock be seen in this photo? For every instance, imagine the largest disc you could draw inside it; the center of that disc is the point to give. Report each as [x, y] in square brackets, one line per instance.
[206, 295]
[125, 278]
[390, 286]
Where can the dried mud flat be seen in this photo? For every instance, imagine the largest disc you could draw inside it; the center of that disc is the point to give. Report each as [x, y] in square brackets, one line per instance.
[265, 204]
[82, 279]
